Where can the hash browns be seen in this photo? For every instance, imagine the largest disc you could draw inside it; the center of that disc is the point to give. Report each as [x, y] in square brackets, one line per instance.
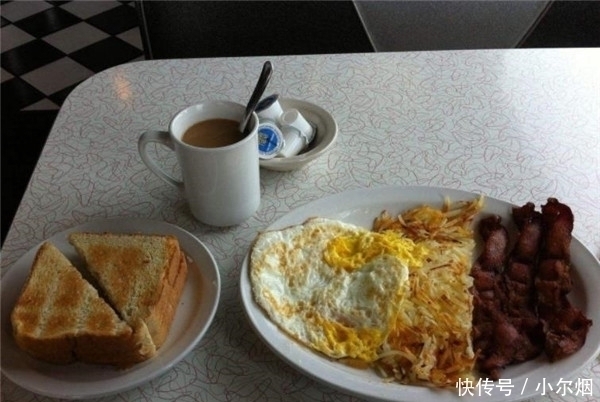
[431, 342]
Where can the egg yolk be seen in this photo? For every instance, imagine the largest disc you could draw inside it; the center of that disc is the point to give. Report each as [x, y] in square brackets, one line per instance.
[356, 343]
[353, 251]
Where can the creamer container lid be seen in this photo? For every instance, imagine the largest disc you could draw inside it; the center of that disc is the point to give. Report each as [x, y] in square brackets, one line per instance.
[293, 118]
[270, 140]
[269, 108]
[266, 103]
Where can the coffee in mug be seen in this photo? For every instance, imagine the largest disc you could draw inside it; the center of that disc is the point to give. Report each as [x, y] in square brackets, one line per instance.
[213, 133]
[220, 168]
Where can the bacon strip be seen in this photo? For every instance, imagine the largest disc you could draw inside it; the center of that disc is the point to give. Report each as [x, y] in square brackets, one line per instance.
[489, 321]
[520, 305]
[519, 283]
[506, 317]
[565, 326]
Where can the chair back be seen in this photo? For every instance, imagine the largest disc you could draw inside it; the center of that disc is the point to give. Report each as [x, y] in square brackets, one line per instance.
[192, 29]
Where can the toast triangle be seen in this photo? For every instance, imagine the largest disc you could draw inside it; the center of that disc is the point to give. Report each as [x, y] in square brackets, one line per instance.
[60, 318]
[141, 275]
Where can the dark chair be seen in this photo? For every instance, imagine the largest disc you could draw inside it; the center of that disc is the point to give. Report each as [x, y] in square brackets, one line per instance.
[187, 29]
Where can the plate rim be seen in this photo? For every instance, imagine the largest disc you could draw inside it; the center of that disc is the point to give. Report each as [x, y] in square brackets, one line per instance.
[401, 392]
[146, 371]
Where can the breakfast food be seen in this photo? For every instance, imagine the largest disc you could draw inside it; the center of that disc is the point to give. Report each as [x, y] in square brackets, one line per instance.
[395, 298]
[60, 318]
[520, 296]
[565, 326]
[142, 276]
[506, 328]
[411, 299]
[326, 284]
[431, 339]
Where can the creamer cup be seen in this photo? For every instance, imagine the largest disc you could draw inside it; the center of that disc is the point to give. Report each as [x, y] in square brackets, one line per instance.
[270, 139]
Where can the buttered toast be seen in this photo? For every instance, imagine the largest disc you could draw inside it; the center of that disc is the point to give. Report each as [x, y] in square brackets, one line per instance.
[60, 318]
[142, 276]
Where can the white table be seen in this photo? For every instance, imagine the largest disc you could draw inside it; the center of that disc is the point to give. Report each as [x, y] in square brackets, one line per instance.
[519, 125]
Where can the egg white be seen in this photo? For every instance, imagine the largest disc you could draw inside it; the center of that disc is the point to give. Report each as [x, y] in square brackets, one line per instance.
[343, 314]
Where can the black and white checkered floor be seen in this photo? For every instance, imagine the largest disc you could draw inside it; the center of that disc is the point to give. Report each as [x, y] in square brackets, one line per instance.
[48, 47]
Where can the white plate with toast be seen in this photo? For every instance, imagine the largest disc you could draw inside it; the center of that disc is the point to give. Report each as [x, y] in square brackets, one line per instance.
[196, 310]
[360, 207]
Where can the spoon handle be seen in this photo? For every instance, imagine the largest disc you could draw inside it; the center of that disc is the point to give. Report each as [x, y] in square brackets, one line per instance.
[261, 85]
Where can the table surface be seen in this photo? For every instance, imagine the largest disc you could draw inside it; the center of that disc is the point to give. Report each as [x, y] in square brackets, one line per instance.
[519, 125]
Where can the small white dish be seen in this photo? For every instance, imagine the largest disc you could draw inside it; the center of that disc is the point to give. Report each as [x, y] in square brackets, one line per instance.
[194, 315]
[326, 135]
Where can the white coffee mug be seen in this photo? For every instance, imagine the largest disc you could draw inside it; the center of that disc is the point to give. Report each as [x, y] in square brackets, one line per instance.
[222, 184]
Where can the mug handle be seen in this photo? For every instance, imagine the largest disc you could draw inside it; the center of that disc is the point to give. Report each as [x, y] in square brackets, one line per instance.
[161, 137]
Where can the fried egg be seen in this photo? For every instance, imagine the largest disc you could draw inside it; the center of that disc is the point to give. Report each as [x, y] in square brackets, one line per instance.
[334, 287]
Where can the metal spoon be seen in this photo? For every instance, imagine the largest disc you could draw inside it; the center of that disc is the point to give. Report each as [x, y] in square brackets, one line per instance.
[259, 89]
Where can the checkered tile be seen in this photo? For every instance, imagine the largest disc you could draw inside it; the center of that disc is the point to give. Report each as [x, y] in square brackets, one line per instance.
[49, 47]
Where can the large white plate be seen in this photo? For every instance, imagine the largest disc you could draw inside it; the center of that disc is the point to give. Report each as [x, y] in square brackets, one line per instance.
[76, 381]
[360, 207]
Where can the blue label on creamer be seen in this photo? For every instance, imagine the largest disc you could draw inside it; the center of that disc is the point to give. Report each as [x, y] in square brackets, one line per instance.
[270, 140]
